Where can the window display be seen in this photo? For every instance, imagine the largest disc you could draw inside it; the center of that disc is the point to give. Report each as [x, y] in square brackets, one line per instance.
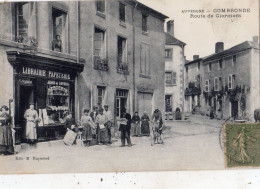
[57, 101]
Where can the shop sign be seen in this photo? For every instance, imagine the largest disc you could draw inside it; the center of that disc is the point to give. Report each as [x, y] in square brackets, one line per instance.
[45, 73]
[25, 81]
[61, 83]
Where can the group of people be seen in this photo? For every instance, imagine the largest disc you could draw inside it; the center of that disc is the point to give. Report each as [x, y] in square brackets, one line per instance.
[98, 123]
[93, 125]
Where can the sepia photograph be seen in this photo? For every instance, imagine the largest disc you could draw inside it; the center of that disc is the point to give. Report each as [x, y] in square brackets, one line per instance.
[97, 86]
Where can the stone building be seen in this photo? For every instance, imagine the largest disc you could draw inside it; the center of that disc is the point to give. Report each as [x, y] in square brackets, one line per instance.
[123, 45]
[45, 46]
[193, 77]
[174, 70]
[229, 81]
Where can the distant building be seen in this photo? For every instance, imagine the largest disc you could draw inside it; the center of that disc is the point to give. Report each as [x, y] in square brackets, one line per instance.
[230, 81]
[174, 70]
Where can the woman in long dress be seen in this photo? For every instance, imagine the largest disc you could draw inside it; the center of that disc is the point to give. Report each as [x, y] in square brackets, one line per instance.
[88, 125]
[136, 125]
[101, 119]
[145, 124]
[6, 140]
[32, 118]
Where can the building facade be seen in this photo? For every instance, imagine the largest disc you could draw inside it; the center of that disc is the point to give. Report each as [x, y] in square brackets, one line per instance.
[123, 45]
[229, 81]
[193, 78]
[67, 56]
[174, 70]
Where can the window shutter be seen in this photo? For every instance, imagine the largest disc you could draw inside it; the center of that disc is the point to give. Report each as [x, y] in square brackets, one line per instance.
[174, 78]
[97, 43]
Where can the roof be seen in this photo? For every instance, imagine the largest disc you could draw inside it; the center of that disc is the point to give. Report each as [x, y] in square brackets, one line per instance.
[233, 50]
[170, 40]
[150, 10]
[192, 61]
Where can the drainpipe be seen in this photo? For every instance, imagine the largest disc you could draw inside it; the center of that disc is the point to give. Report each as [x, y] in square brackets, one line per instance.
[77, 57]
[134, 87]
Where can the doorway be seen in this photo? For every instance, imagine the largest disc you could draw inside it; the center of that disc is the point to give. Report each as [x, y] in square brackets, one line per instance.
[121, 102]
[26, 96]
[234, 109]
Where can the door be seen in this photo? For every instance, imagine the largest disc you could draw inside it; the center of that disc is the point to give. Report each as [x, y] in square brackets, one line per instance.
[234, 109]
[26, 97]
[145, 103]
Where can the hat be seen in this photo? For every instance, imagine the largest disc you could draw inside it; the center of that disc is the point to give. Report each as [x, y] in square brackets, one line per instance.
[106, 105]
[136, 111]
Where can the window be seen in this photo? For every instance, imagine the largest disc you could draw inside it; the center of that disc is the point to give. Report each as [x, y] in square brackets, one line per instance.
[231, 81]
[168, 53]
[121, 50]
[100, 6]
[145, 59]
[168, 103]
[220, 63]
[168, 78]
[25, 21]
[60, 30]
[121, 12]
[206, 85]
[99, 43]
[174, 78]
[209, 67]
[144, 23]
[100, 96]
[234, 60]
[216, 84]
[198, 65]
[121, 101]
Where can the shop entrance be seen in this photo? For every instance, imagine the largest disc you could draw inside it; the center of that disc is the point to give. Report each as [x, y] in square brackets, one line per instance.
[26, 97]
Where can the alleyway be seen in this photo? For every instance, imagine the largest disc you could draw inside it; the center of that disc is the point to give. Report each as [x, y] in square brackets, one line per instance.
[188, 146]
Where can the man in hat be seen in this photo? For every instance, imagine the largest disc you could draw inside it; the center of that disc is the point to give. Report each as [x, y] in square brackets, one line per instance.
[32, 118]
[109, 122]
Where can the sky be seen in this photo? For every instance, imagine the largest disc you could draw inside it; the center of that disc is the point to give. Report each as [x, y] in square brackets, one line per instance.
[201, 34]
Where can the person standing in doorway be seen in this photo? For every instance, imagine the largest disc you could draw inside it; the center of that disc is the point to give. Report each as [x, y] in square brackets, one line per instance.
[32, 118]
[109, 122]
[125, 128]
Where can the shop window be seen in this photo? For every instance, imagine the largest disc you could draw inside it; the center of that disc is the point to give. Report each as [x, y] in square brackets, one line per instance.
[231, 81]
[58, 101]
[144, 23]
[25, 25]
[206, 85]
[60, 30]
[168, 53]
[100, 56]
[145, 60]
[100, 96]
[100, 6]
[122, 12]
[122, 55]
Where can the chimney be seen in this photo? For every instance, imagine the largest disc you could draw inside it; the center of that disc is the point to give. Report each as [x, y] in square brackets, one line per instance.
[219, 47]
[255, 40]
[196, 57]
[170, 27]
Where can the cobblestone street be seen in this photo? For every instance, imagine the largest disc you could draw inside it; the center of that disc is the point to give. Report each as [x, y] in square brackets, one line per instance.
[190, 145]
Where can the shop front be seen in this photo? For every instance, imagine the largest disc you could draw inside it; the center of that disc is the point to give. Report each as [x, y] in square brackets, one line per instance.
[49, 83]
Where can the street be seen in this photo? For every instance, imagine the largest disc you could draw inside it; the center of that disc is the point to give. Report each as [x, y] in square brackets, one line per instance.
[190, 145]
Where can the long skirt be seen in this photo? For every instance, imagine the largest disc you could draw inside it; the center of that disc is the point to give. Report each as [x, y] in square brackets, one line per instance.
[136, 129]
[87, 132]
[145, 128]
[31, 133]
[102, 134]
[6, 140]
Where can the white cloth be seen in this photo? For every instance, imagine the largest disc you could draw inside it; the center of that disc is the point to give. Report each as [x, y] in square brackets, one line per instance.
[32, 117]
[108, 114]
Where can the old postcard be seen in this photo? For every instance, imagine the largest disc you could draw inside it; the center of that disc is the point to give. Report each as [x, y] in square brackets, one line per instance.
[129, 85]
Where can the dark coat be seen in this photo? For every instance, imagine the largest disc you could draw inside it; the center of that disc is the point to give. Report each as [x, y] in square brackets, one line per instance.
[69, 123]
[128, 124]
